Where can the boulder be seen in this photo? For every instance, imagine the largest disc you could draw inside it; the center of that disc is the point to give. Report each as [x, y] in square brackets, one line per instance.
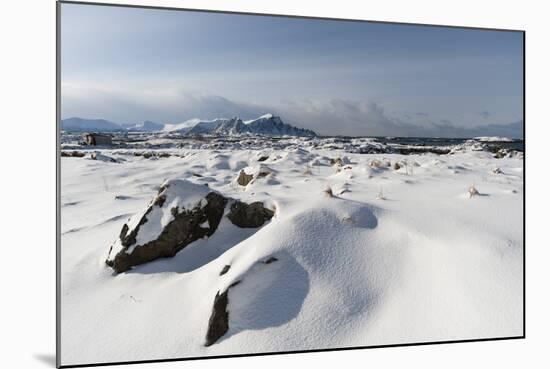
[249, 174]
[249, 215]
[218, 324]
[225, 269]
[244, 179]
[181, 212]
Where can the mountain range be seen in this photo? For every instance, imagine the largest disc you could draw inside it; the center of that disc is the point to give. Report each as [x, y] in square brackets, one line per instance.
[266, 125]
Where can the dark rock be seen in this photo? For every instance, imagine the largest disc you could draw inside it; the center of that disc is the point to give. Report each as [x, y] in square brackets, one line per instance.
[270, 260]
[396, 166]
[181, 231]
[218, 324]
[234, 284]
[263, 174]
[225, 269]
[263, 158]
[186, 225]
[72, 154]
[249, 215]
[122, 197]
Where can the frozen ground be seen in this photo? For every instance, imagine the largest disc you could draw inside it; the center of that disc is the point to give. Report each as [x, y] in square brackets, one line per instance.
[399, 254]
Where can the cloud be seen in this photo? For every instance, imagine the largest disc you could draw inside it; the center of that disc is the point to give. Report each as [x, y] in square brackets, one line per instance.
[367, 118]
[326, 117]
[139, 104]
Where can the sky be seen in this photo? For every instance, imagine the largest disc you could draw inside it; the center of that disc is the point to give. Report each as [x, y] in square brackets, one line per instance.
[129, 65]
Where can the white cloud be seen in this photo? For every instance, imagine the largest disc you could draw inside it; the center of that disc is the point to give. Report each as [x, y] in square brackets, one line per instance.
[325, 116]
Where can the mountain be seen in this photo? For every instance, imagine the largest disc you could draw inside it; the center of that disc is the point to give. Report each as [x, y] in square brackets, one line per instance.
[206, 127]
[82, 125]
[266, 125]
[272, 125]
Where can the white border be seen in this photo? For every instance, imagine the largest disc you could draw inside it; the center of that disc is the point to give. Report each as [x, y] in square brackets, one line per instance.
[27, 36]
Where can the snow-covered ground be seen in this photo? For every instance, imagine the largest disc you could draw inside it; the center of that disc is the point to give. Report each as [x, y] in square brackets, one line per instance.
[399, 254]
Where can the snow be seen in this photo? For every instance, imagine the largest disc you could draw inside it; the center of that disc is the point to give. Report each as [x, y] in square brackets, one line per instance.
[493, 139]
[263, 117]
[181, 126]
[424, 262]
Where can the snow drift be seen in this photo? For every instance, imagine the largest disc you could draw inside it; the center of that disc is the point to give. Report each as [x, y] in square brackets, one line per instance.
[399, 254]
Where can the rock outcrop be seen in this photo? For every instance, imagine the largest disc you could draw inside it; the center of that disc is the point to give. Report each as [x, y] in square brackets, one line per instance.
[249, 215]
[244, 179]
[180, 213]
[254, 173]
[218, 324]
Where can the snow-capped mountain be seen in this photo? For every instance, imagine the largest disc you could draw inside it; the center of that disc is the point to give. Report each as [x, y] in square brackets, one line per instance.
[266, 125]
[272, 125]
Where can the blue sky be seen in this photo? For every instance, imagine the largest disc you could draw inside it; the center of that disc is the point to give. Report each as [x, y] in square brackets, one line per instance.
[355, 78]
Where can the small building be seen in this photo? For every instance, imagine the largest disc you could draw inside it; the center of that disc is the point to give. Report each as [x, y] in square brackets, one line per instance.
[94, 139]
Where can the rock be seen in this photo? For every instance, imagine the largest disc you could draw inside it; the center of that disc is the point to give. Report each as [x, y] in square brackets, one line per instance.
[244, 179]
[72, 154]
[249, 215]
[225, 269]
[102, 157]
[263, 173]
[181, 212]
[396, 166]
[218, 324]
[263, 158]
[270, 260]
[161, 232]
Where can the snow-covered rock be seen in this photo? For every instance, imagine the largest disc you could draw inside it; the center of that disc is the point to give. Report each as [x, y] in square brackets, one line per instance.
[180, 213]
